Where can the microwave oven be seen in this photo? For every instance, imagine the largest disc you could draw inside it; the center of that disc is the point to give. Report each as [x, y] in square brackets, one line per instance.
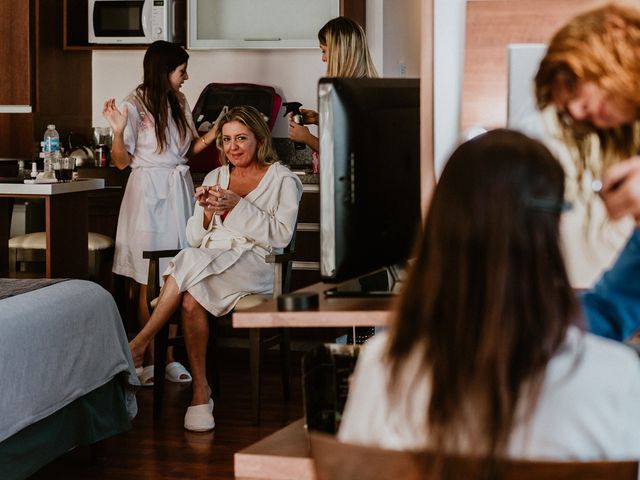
[125, 22]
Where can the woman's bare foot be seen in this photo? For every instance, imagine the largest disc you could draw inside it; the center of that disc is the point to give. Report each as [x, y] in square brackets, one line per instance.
[137, 352]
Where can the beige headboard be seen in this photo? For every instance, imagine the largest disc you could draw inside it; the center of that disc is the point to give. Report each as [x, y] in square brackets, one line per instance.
[490, 26]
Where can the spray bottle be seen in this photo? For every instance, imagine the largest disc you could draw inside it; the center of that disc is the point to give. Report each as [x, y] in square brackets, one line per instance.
[294, 107]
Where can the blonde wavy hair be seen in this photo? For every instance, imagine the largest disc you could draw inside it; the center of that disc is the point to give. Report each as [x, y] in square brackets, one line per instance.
[348, 51]
[254, 121]
[601, 45]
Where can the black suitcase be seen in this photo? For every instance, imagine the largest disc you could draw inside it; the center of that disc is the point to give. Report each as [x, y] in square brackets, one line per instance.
[215, 97]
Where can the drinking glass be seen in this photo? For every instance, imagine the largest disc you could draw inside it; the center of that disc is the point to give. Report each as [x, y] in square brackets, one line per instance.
[63, 169]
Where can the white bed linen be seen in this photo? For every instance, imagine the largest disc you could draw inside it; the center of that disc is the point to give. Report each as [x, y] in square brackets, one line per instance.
[58, 343]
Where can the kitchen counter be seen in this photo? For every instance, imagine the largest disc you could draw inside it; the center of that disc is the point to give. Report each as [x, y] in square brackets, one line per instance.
[66, 224]
[51, 188]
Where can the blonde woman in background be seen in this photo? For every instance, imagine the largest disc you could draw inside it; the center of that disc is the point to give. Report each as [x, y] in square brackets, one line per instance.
[587, 89]
[343, 43]
[245, 209]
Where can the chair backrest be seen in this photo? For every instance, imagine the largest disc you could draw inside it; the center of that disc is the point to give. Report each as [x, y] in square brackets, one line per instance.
[336, 460]
[283, 266]
[287, 267]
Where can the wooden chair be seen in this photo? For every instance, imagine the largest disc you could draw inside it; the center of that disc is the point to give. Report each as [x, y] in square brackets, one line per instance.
[336, 460]
[259, 341]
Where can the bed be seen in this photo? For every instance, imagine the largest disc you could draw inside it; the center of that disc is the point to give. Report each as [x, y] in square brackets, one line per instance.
[66, 375]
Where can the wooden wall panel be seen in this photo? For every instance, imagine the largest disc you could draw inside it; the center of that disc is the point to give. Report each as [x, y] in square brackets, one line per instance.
[14, 54]
[355, 10]
[490, 26]
[63, 82]
[16, 135]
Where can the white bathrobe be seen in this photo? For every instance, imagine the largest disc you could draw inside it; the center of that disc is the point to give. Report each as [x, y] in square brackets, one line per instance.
[158, 199]
[228, 261]
[587, 408]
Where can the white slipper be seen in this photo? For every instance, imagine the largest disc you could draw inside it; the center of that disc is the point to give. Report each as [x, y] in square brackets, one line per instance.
[199, 418]
[176, 373]
[146, 377]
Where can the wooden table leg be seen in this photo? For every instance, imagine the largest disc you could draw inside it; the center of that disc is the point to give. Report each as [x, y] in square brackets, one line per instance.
[67, 235]
[6, 211]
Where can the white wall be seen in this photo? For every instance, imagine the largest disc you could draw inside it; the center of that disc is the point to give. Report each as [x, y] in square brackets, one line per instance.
[449, 25]
[394, 37]
[293, 73]
[401, 53]
[393, 34]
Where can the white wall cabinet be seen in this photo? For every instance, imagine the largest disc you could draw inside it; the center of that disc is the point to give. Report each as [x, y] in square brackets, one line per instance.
[257, 23]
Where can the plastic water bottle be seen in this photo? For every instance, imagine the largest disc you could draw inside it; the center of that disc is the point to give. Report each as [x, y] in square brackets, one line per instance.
[50, 147]
[51, 139]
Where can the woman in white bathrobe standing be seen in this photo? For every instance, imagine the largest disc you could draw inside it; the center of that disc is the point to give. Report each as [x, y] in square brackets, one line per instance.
[246, 209]
[154, 134]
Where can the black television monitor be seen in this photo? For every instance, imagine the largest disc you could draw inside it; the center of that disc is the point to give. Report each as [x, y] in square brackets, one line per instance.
[369, 174]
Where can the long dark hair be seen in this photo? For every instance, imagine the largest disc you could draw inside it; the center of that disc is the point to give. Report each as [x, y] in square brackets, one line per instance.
[155, 91]
[488, 298]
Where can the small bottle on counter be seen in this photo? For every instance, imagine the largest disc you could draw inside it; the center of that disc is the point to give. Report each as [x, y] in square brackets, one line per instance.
[100, 156]
[34, 170]
[21, 172]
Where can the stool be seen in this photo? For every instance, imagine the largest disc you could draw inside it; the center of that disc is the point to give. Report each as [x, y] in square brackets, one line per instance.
[32, 248]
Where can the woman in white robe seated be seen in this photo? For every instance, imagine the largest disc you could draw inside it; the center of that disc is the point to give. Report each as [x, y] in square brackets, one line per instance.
[245, 210]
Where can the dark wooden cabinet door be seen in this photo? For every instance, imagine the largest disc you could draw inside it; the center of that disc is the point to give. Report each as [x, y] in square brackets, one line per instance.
[355, 10]
[16, 135]
[15, 62]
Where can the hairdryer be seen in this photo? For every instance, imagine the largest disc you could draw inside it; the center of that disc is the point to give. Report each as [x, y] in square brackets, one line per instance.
[294, 107]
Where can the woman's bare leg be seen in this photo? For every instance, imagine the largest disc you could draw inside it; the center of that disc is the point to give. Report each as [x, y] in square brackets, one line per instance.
[195, 328]
[143, 318]
[168, 301]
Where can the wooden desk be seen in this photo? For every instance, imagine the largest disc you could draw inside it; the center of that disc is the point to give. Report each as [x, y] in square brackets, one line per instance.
[283, 455]
[66, 224]
[332, 312]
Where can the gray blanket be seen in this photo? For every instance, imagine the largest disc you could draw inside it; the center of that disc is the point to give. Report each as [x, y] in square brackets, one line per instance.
[10, 287]
[58, 343]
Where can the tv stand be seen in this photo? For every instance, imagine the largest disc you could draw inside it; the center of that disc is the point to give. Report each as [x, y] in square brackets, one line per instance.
[385, 282]
[331, 312]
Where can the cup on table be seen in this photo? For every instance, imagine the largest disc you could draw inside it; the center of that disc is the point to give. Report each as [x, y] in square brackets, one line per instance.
[63, 168]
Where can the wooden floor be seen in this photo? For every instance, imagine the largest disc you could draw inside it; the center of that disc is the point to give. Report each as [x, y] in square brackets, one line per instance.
[164, 450]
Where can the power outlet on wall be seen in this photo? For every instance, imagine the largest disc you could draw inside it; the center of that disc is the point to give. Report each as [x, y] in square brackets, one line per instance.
[402, 69]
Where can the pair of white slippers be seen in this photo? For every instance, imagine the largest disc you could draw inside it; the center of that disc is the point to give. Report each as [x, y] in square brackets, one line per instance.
[199, 418]
[174, 372]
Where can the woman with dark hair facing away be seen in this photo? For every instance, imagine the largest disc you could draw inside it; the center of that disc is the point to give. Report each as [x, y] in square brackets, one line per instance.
[486, 354]
[343, 43]
[153, 133]
[246, 209]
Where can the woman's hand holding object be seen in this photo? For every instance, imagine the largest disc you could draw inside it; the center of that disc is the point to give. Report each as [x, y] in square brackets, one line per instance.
[215, 199]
